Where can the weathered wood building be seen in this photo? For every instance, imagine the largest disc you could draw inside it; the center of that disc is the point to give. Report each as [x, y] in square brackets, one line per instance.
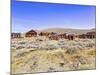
[31, 33]
[71, 36]
[44, 34]
[91, 35]
[54, 37]
[15, 35]
[47, 34]
[62, 36]
[82, 36]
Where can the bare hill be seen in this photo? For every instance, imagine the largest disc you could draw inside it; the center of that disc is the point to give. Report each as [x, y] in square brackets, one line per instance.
[69, 30]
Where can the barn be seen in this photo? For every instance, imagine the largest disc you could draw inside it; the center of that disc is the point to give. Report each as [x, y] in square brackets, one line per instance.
[31, 33]
[15, 35]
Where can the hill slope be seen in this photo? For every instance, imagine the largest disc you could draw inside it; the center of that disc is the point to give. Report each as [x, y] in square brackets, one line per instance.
[65, 30]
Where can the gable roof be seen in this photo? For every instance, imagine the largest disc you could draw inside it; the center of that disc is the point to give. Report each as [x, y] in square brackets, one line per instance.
[32, 31]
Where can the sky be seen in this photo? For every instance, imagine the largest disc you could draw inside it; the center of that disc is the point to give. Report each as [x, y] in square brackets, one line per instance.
[39, 16]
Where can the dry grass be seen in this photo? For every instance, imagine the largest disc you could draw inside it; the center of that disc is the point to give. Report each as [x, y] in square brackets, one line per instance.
[48, 56]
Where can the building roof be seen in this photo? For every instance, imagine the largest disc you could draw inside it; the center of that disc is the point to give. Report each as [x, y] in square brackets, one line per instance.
[32, 31]
[15, 33]
[89, 33]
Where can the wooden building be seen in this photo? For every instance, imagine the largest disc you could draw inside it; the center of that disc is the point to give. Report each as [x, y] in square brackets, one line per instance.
[47, 34]
[31, 33]
[71, 36]
[15, 35]
[91, 35]
[54, 37]
[62, 36]
[44, 34]
[82, 36]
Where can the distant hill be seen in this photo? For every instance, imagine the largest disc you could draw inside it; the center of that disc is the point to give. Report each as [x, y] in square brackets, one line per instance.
[69, 30]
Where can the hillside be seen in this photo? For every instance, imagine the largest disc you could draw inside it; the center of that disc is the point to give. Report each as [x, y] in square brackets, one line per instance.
[65, 30]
